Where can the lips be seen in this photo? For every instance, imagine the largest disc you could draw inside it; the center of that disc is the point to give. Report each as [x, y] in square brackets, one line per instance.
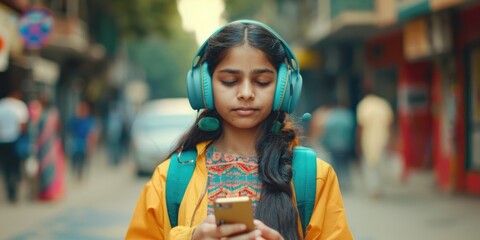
[245, 111]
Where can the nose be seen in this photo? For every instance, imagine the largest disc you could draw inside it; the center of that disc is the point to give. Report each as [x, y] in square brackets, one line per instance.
[246, 90]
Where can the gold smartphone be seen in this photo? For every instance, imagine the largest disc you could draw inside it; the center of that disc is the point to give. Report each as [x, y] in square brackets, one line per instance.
[234, 210]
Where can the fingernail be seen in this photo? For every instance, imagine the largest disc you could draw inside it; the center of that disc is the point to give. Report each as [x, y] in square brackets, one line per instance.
[257, 233]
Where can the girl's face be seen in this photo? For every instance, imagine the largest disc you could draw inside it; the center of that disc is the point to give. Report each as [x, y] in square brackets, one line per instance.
[243, 87]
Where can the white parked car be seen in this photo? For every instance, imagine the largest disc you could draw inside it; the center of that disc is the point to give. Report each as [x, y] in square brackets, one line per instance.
[156, 129]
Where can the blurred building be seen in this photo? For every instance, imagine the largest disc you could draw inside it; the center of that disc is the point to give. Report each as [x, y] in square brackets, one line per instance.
[11, 46]
[81, 58]
[70, 66]
[423, 56]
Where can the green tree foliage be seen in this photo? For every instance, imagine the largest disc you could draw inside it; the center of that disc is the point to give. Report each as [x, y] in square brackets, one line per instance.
[279, 14]
[137, 19]
[156, 42]
[241, 9]
[165, 61]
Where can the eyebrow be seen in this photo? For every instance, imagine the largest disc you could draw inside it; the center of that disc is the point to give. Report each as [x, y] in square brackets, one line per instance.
[257, 71]
[263, 70]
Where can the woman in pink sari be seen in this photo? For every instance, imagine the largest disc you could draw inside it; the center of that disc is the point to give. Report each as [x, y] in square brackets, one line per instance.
[50, 155]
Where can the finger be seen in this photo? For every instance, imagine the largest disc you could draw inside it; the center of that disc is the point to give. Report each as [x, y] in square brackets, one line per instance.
[267, 232]
[226, 230]
[205, 231]
[210, 219]
[253, 235]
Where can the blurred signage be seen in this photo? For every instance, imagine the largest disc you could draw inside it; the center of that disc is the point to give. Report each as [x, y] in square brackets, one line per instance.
[441, 4]
[5, 36]
[428, 36]
[408, 9]
[415, 39]
[3, 50]
[35, 27]
[307, 58]
[413, 99]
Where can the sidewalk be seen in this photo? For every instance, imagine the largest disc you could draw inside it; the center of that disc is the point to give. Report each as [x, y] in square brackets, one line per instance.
[97, 208]
[416, 210]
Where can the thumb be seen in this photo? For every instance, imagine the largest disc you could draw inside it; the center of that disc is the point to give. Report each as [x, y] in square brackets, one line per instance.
[210, 219]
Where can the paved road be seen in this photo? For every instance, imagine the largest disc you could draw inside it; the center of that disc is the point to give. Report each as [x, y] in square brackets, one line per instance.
[413, 211]
[97, 208]
[100, 208]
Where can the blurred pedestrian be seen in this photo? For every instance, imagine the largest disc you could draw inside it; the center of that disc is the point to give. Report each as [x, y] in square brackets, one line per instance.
[375, 118]
[115, 128]
[81, 129]
[49, 149]
[13, 123]
[338, 138]
[317, 125]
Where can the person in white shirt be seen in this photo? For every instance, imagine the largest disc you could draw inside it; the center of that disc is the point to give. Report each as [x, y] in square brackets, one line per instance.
[13, 121]
[375, 118]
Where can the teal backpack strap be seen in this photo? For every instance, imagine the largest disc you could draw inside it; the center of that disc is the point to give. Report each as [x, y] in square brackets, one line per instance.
[178, 177]
[304, 166]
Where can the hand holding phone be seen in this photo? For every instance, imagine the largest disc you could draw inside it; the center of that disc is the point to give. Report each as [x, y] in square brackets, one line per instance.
[234, 210]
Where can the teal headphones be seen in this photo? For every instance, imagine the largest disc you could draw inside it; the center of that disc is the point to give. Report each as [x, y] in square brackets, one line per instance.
[288, 87]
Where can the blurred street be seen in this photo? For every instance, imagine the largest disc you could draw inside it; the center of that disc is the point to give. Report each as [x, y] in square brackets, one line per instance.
[101, 206]
[412, 211]
[97, 208]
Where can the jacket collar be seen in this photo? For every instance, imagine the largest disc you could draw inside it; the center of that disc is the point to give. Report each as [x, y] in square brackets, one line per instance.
[201, 147]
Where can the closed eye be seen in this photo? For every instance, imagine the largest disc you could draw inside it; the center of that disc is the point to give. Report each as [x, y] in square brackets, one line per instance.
[228, 83]
[263, 84]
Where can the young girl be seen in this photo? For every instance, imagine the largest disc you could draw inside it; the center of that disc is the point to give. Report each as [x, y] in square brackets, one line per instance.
[247, 78]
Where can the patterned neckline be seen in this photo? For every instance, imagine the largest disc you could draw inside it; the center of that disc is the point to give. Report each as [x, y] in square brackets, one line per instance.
[228, 157]
[232, 175]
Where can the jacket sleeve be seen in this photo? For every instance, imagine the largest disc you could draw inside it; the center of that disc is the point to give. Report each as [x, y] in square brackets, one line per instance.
[328, 221]
[181, 232]
[147, 220]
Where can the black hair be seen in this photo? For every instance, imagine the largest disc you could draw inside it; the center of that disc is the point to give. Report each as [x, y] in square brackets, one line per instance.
[274, 149]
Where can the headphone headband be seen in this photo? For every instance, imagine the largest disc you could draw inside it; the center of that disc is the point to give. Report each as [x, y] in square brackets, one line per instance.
[288, 51]
[288, 83]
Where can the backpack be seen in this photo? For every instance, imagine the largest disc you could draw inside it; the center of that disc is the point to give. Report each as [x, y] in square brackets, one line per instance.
[304, 182]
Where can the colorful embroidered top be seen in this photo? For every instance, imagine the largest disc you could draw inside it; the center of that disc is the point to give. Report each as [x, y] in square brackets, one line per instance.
[231, 175]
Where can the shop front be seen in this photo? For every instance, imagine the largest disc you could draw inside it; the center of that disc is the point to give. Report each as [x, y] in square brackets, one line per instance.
[468, 48]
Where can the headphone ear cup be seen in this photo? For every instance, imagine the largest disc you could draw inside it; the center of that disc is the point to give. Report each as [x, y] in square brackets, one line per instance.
[199, 88]
[194, 88]
[278, 99]
[296, 82]
[207, 87]
[288, 90]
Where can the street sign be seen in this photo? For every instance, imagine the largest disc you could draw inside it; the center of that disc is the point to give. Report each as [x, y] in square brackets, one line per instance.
[35, 27]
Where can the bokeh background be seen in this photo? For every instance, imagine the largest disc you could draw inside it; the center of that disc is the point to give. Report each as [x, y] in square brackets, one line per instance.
[117, 57]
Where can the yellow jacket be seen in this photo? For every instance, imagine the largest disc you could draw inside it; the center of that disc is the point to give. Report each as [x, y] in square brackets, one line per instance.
[150, 218]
